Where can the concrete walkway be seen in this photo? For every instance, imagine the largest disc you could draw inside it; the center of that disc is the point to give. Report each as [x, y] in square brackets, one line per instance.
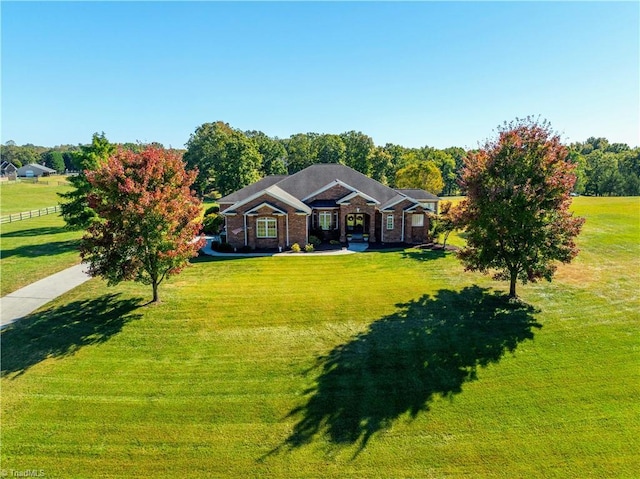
[24, 301]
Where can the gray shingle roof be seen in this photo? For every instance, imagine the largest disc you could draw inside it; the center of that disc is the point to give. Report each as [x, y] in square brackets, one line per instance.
[35, 166]
[393, 201]
[314, 178]
[251, 189]
[418, 194]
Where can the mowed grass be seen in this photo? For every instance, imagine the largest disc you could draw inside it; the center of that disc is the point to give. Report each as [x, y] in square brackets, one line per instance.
[376, 365]
[23, 196]
[34, 249]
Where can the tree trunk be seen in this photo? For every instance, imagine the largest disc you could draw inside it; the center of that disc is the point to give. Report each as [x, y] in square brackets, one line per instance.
[444, 244]
[155, 292]
[512, 287]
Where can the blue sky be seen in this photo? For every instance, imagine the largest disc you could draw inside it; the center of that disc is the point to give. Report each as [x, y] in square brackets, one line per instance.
[415, 74]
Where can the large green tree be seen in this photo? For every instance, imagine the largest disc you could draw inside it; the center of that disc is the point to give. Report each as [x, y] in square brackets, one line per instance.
[74, 205]
[516, 213]
[605, 169]
[274, 154]
[603, 174]
[630, 168]
[329, 149]
[382, 166]
[447, 166]
[19, 155]
[300, 151]
[225, 158]
[359, 149]
[10, 152]
[147, 218]
[421, 174]
[580, 162]
[54, 160]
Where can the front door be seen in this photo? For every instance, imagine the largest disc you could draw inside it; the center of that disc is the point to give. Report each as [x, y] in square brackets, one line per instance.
[355, 223]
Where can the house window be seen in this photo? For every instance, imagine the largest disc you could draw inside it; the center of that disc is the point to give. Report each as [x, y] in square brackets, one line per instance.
[389, 222]
[266, 228]
[417, 220]
[324, 220]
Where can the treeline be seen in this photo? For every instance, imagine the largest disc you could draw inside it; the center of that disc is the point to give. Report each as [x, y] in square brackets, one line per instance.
[62, 158]
[228, 159]
[59, 158]
[606, 169]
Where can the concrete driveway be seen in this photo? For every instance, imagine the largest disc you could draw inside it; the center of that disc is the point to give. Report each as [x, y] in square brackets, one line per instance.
[24, 301]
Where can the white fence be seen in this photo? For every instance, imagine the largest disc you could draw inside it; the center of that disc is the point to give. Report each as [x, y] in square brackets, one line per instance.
[25, 215]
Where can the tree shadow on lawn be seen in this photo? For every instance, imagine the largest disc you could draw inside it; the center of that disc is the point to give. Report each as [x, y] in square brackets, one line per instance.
[429, 347]
[43, 249]
[424, 254]
[61, 331]
[45, 230]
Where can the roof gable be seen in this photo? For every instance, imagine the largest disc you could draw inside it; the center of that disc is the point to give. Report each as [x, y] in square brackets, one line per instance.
[275, 192]
[265, 204]
[251, 189]
[350, 196]
[327, 187]
[316, 178]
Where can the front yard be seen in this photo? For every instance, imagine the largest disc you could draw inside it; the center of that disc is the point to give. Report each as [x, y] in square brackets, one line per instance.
[379, 364]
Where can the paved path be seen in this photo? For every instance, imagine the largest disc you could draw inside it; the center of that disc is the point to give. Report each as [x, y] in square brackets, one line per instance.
[26, 300]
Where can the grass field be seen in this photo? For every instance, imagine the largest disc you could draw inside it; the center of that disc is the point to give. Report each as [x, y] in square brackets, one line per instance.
[23, 196]
[37, 247]
[34, 249]
[374, 365]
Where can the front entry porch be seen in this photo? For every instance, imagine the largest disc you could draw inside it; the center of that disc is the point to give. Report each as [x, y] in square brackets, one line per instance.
[357, 222]
[357, 230]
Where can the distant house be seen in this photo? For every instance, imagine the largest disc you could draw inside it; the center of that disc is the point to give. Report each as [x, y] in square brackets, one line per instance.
[327, 200]
[34, 170]
[8, 169]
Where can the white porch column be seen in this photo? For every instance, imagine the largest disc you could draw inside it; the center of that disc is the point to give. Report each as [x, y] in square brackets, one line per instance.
[245, 229]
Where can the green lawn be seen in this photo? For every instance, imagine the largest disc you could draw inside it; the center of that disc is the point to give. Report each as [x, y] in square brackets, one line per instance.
[37, 247]
[34, 249]
[374, 365]
[23, 196]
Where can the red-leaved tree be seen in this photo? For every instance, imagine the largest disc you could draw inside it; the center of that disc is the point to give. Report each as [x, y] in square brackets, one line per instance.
[516, 213]
[148, 218]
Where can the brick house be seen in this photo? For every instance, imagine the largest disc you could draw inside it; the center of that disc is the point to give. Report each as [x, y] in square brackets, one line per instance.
[327, 200]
